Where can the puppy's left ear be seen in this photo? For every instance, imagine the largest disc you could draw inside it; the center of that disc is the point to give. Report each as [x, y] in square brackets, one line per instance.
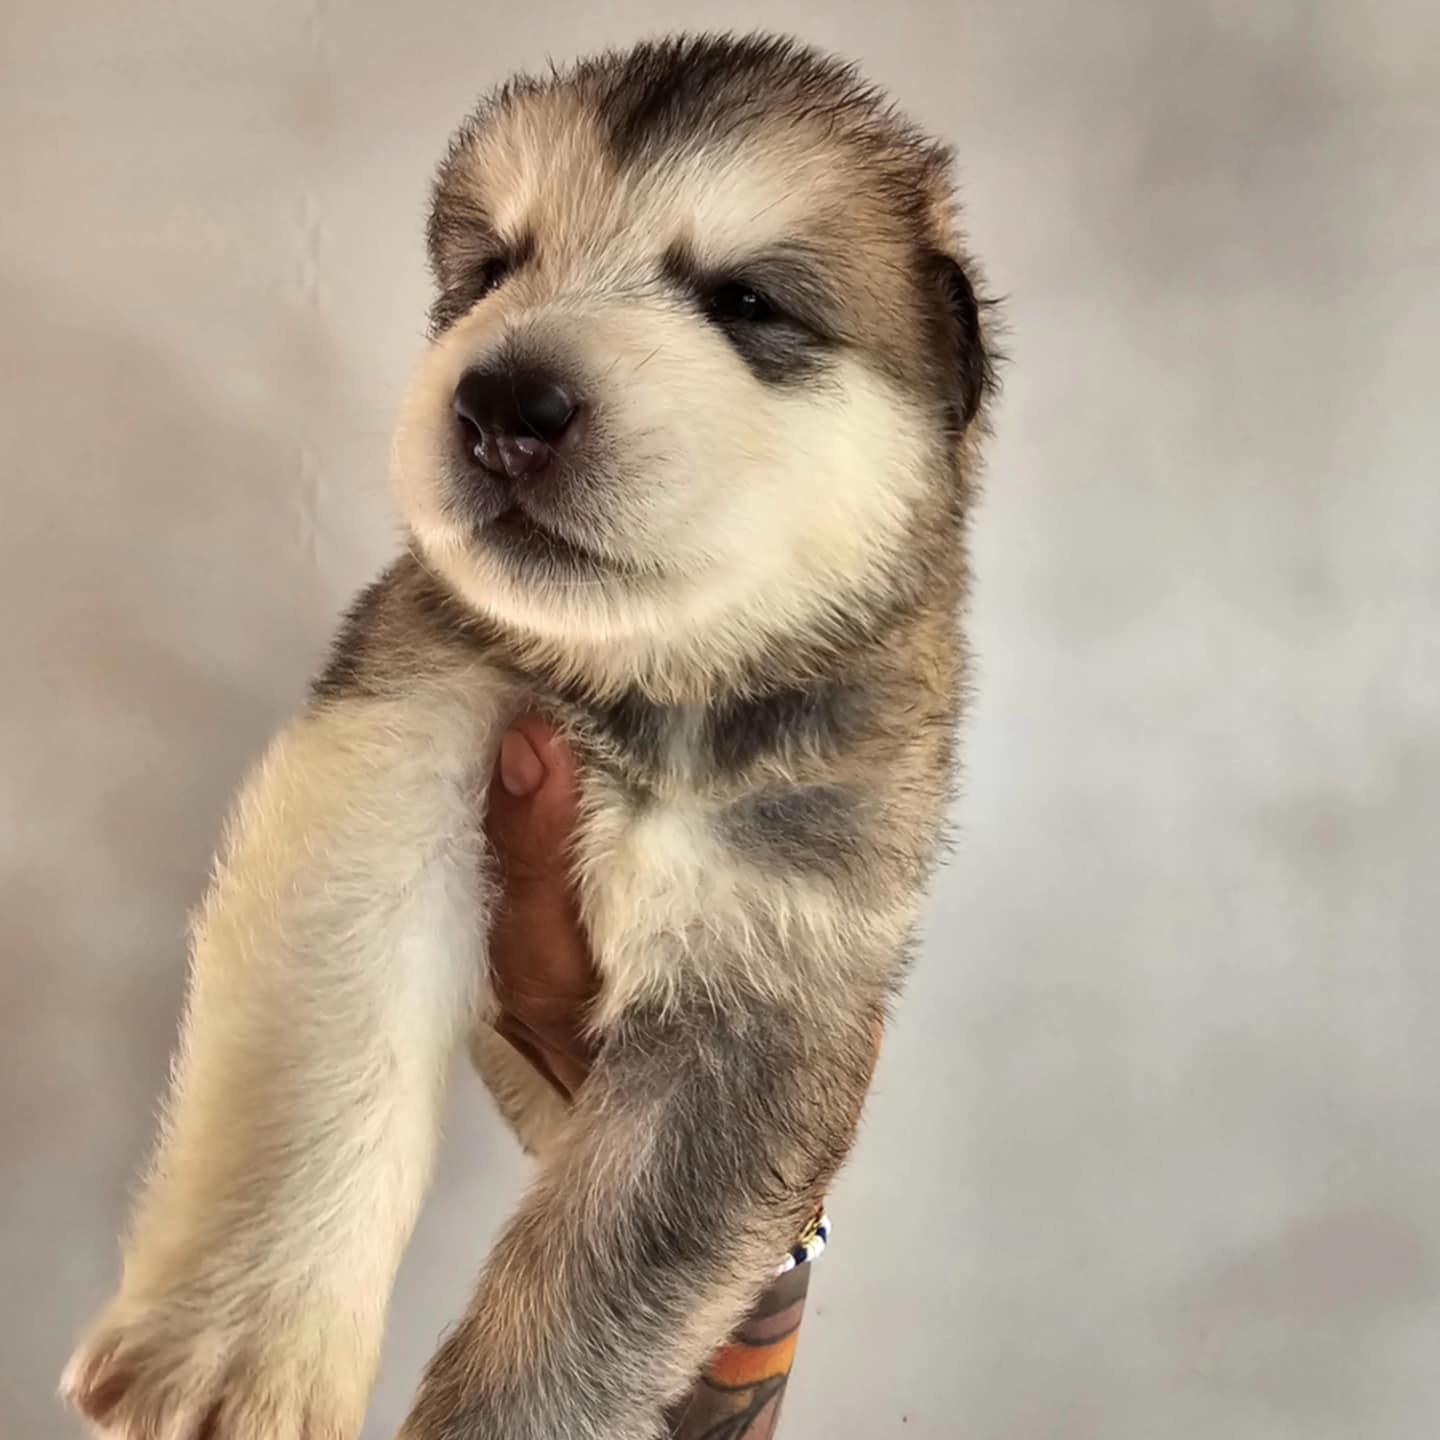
[962, 337]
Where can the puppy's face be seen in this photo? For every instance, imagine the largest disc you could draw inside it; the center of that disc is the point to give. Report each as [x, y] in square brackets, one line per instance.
[702, 356]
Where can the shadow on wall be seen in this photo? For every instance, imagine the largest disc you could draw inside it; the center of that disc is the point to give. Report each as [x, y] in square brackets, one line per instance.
[1287, 1325]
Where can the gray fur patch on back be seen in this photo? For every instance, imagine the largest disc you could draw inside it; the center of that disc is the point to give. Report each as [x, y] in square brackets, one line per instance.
[816, 828]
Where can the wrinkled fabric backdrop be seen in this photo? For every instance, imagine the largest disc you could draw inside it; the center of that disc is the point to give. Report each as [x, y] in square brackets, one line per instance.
[1153, 1148]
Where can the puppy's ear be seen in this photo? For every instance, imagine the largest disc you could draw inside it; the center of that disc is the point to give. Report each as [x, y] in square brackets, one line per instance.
[962, 337]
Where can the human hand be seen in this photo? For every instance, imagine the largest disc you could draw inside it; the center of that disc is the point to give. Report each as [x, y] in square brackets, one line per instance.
[542, 970]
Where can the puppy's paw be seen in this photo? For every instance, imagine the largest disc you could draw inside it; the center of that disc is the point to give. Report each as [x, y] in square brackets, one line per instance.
[167, 1370]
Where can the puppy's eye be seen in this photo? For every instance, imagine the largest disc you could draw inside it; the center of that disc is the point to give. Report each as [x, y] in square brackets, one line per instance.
[492, 275]
[736, 302]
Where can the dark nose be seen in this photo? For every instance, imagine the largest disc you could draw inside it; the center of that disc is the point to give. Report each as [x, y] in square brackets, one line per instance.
[512, 421]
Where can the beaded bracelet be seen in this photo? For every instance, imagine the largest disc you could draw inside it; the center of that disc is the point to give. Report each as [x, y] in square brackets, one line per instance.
[810, 1245]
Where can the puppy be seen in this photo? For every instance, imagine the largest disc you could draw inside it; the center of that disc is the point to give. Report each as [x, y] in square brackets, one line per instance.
[686, 466]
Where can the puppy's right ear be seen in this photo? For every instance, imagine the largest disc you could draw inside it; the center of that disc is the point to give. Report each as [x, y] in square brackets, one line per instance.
[966, 357]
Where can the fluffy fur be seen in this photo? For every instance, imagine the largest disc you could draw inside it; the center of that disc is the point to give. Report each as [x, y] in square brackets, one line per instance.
[738, 596]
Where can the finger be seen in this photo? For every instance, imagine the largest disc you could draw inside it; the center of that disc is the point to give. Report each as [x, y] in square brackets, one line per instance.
[538, 951]
[563, 1066]
[564, 1074]
[534, 804]
[541, 968]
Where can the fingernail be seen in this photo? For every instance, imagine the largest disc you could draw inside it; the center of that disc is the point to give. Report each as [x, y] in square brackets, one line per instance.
[520, 769]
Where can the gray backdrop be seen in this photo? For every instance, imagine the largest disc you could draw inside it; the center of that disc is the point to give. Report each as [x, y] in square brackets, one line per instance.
[1153, 1151]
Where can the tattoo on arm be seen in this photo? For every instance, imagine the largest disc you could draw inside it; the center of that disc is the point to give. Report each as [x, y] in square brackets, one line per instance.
[738, 1396]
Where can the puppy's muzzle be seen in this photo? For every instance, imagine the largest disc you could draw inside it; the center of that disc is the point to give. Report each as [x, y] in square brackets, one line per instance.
[514, 423]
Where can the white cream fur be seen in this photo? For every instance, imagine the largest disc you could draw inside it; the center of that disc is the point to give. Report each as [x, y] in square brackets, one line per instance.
[336, 963]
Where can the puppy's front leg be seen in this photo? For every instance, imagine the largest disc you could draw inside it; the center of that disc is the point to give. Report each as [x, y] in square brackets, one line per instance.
[333, 969]
[696, 1151]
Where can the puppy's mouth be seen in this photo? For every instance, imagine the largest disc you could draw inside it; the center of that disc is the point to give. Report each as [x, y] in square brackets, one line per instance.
[517, 534]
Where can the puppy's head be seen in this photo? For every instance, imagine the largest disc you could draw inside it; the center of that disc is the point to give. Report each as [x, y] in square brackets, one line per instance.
[703, 361]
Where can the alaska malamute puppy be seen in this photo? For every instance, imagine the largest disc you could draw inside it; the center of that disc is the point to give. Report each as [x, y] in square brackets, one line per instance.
[685, 465]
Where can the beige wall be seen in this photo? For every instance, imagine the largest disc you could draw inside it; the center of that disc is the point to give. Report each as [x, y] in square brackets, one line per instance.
[1155, 1151]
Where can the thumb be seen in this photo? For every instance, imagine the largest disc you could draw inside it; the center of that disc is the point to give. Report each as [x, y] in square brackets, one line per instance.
[534, 803]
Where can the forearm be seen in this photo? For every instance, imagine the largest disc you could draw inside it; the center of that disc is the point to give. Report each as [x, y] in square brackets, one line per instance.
[739, 1393]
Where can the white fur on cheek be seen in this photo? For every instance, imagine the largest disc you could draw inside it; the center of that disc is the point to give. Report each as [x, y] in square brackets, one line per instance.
[822, 505]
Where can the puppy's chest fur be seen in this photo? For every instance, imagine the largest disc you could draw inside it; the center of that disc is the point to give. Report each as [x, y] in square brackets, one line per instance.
[776, 835]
